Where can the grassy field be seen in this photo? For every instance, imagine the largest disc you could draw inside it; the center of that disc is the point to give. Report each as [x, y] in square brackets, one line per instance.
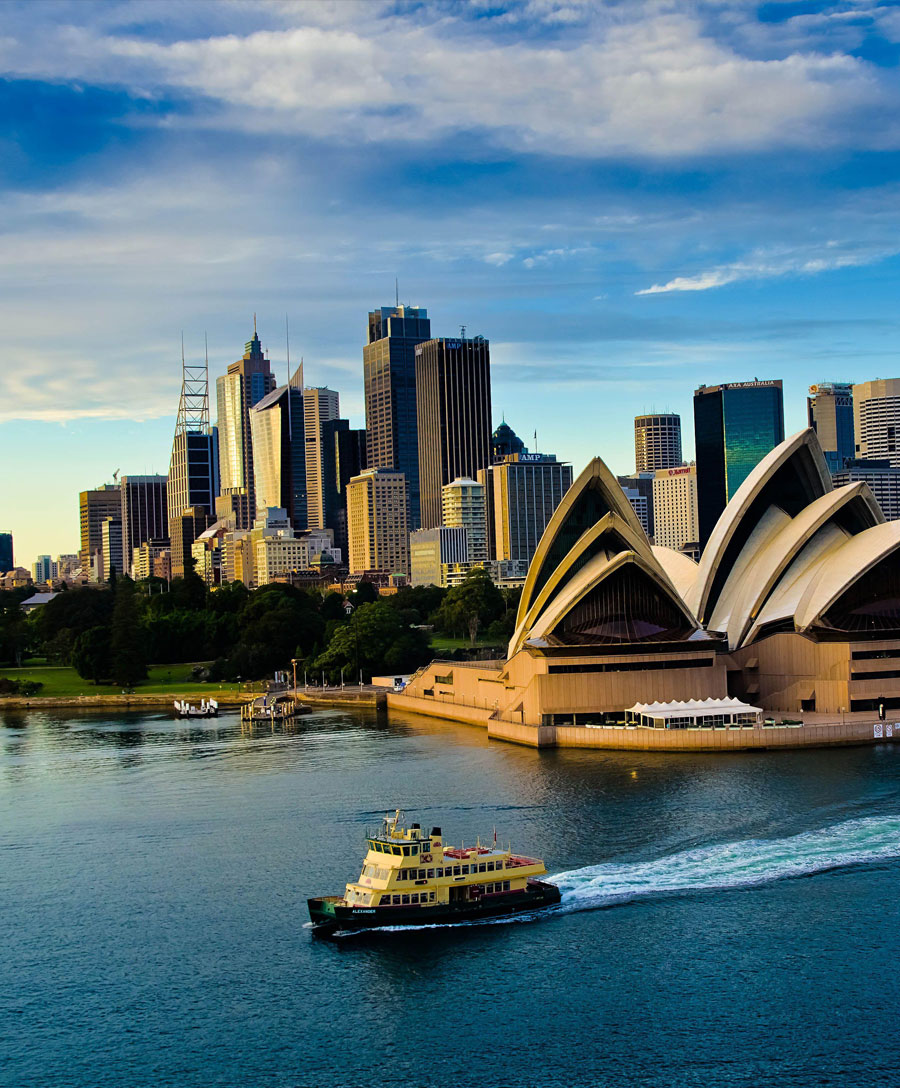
[439, 642]
[61, 682]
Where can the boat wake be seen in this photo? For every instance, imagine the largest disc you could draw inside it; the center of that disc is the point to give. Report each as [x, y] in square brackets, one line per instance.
[723, 866]
[733, 864]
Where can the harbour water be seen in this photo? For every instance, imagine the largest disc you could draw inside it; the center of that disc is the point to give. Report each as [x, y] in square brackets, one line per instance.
[727, 920]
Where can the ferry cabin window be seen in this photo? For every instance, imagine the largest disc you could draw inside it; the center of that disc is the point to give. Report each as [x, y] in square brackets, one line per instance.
[405, 899]
[430, 874]
[396, 900]
[490, 866]
[465, 869]
[456, 871]
[506, 885]
[482, 867]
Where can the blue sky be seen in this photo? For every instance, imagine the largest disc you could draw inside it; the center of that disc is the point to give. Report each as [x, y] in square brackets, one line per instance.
[627, 198]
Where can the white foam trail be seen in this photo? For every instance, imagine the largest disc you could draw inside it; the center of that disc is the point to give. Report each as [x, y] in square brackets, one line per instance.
[733, 864]
[706, 868]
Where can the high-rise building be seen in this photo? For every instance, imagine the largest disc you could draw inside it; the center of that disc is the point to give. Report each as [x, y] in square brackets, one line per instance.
[735, 426]
[431, 551]
[464, 507]
[377, 521]
[145, 557]
[453, 388]
[145, 513]
[279, 452]
[876, 420]
[95, 507]
[638, 487]
[657, 441]
[881, 476]
[320, 406]
[6, 551]
[343, 457]
[506, 443]
[389, 365]
[245, 384]
[523, 490]
[113, 557]
[675, 516]
[193, 481]
[829, 408]
[42, 568]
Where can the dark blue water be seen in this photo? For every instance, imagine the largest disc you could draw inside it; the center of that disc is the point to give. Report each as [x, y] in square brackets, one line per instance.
[727, 919]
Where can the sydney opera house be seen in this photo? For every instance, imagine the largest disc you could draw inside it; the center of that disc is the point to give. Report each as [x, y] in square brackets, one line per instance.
[793, 608]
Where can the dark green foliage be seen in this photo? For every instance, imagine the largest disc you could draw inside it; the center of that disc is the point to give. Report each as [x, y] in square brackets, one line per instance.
[376, 640]
[19, 687]
[91, 656]
[470, 606]
[78, 610]
[365, 593]
[16, 633]
[128, 662]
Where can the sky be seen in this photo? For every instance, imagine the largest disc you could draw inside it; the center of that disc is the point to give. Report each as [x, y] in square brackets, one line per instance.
[626, 198]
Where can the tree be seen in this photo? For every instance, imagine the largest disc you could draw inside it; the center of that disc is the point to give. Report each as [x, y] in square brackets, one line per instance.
[374, 640]
[91, 656]
[365, 593]
[473, 604]
[127, 661]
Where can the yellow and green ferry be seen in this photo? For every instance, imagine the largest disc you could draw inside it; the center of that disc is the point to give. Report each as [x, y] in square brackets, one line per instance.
[409, 877]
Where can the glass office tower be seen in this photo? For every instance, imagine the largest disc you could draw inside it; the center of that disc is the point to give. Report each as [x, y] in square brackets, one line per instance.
[735, 426]
[830, 411]
[279, 453]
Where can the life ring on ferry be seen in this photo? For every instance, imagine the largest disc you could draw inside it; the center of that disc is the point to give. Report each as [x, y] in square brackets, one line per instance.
[426, 857]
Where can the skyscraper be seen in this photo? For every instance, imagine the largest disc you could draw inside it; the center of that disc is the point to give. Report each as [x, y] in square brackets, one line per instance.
[464, 507]
[320, 406]
[453, 383]
[876, 420]
[6, 551]
[523, 490]
[343, 457]
[145, 513]
[675, 515]
[279, 452]
[113, 558]
[389, 366]
[735, 426]
[244, 385]
[829, 408]
[377, 521]
[657, 441]
[194, 466]
[95, 507]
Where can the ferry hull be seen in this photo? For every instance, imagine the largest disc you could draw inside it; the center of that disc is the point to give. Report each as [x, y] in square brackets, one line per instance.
[328, 914]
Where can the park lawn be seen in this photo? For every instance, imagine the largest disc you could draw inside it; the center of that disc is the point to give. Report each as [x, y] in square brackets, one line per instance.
[441, 642]
[63, 682]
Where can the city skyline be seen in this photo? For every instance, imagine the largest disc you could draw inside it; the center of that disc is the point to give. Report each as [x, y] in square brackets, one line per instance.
[615, 259]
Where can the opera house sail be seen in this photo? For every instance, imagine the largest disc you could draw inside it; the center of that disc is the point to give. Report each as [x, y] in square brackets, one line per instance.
[794, 606]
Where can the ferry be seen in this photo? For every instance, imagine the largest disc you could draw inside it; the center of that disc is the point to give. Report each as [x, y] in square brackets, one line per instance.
[410, 878]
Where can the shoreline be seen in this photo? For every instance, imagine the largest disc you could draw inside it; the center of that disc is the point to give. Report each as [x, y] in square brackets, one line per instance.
[155, 701]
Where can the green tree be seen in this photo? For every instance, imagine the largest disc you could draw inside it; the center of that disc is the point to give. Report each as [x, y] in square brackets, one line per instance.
[127, 661]
[365, 593]
[474, 603]
[91, 656]
[375, 640]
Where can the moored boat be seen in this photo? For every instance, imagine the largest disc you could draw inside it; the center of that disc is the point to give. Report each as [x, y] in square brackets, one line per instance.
[409, 877]
[206, 709]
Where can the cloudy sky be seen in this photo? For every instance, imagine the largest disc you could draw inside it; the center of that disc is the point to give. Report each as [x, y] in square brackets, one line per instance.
[627, 198]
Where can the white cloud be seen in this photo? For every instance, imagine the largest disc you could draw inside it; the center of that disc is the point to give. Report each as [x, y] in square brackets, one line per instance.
[773, 263]
[641, 80]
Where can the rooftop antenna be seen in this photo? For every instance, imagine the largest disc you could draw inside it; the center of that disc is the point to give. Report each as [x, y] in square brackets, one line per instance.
[254, 323]
[535, 441]
[193, 407]
[287, 343]
[462, 331]
[397, 292]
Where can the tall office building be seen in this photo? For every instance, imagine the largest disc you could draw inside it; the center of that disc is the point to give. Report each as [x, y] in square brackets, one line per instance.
[829, 408]
[343, 457]
[389, 366]
[245, 384]
[876, 420]
[95, 507]
[145, 514]
[638, 488]
[432, 551]
[193, 481]
[279, 453]
[113, 556]
[657, 441]
[735, 426]
[377, 521]
[6, 551]
[881, 476]
[42, 568]
[453, 388]
[505, 442]
[675, 515]
[320, 406]
[523, 490]
[464, 507]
